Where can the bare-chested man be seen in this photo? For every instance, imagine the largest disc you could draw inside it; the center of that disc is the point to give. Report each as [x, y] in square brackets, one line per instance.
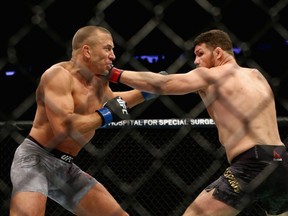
[241, 103]
[70, 99]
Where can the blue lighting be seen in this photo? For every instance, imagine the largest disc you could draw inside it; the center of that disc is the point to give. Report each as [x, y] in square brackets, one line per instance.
[237, 50]
[151, 58]
[10, 73]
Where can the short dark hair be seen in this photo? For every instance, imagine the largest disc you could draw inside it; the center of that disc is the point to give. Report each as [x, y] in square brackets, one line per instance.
[215, 38]
[83, 34]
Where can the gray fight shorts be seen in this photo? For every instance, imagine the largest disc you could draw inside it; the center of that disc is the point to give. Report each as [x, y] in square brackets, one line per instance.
[35, 169]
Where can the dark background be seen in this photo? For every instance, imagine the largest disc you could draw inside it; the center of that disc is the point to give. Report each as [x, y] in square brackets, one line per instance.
[37, 34]
[150, 171]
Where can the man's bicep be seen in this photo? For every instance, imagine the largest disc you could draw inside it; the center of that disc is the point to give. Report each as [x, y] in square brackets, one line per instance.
[58, 101]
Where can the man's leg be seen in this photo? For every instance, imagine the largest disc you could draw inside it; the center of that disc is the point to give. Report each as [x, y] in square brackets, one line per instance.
[98, 201]
[28, 204]
[206, 205]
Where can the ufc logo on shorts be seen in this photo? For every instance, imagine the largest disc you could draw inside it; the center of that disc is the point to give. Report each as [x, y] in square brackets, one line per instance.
[67, 158]
[123, 105]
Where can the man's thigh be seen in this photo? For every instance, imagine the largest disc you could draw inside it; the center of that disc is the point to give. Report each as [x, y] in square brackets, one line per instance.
[206, 204]
[28, 203]
[98, 201]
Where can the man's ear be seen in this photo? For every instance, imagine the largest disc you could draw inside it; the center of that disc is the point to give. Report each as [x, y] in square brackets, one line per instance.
[86, 51]
[219, 52]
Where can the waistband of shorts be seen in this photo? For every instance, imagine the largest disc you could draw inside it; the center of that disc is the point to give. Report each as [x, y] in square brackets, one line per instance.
[264, 152]
[56, 153]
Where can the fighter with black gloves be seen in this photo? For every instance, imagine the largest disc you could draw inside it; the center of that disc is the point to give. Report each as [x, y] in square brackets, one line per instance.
[114, 110]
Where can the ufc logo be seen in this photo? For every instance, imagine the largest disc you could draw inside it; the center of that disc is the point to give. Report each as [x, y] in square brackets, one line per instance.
[67, 158]
[123, 105]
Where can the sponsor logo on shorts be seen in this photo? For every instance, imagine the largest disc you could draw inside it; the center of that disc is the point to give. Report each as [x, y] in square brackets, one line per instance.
[277, 156]
[232, 180]
[66, 158]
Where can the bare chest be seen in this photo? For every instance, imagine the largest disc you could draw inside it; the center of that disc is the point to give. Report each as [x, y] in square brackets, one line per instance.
[87, 98]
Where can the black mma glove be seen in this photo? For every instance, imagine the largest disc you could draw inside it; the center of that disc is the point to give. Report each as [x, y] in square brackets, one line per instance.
[149, 96]
[114, 110]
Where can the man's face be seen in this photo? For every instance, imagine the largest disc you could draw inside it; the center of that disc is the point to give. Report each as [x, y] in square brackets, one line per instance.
[204, 56]
[102, 54]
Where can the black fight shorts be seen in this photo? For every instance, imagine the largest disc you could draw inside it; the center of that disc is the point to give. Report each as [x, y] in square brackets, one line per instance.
[259, 174]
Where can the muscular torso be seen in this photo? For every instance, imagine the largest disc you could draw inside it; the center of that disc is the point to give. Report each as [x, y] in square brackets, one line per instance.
[241, 104]
[86, 98]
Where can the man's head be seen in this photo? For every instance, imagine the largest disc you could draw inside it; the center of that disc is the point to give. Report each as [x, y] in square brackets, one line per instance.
[92, 48]
[87, 35]
[215, 38]
[212, 48]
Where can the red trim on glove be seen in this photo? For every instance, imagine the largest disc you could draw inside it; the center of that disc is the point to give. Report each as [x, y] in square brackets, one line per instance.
[115, 75]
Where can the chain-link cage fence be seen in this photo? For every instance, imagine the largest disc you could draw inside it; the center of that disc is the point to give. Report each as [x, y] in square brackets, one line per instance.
[152, 167]
[150, 170]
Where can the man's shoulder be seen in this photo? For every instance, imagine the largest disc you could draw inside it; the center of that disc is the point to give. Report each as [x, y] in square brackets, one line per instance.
[56, 70]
